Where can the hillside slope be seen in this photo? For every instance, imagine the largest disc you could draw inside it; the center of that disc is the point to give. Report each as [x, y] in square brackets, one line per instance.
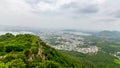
[29, 51]
[99, 60]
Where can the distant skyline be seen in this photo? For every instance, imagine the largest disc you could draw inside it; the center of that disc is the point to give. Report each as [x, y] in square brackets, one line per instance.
[61, 14]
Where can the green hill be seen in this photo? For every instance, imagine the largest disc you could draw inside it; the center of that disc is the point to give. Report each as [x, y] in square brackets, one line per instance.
[99, 60]
[29, 51]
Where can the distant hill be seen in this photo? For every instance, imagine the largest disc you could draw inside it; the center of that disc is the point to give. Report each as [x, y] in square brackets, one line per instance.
[17, 28]
[108, 34]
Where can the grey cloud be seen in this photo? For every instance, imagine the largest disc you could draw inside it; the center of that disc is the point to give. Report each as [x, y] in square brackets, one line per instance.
[81, 9]
[88, 9]
[70, 5]
[115, 14]
[107, 20]
[79, 14]
[33, 1]
[38, 1]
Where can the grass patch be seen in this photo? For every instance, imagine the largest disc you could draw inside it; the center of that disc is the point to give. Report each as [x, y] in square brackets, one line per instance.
[117, 61]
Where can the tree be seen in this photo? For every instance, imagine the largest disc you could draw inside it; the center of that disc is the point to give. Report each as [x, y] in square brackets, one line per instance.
[17, 63]
[6, 36]
[3, 65]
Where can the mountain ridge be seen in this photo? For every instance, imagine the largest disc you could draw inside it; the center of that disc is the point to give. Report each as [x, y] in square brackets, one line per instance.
[32, 52]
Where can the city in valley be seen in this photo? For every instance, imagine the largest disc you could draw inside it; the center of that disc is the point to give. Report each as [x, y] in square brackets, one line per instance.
[71, 41]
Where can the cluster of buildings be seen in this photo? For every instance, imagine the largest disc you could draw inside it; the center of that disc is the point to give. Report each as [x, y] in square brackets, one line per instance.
[68, 41]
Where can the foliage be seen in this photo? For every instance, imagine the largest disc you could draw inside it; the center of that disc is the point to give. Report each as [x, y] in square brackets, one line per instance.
[117, 61]
[6, 37]
[17, 63]
[46, 64]
[3, 65]
[29, 51]
[99, 60]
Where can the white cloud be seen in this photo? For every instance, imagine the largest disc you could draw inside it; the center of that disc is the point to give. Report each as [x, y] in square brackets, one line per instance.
[78, 14]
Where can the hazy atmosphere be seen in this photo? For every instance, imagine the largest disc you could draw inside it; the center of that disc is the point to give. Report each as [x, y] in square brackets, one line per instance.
[59, 33]
[62, 14]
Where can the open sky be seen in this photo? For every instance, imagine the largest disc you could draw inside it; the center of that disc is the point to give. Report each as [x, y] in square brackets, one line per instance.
[62, 14]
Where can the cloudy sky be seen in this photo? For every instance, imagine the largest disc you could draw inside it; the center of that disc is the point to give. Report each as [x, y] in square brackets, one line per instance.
[62, 14]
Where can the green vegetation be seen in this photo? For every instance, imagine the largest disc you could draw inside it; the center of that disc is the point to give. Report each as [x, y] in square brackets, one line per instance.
[99, 60]
[107, 41]
[117, 61]
[29, 51]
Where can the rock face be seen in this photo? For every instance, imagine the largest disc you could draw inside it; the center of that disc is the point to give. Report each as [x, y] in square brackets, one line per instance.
[40, 53]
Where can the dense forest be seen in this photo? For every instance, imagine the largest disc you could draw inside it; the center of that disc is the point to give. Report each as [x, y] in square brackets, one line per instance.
[99, 60]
